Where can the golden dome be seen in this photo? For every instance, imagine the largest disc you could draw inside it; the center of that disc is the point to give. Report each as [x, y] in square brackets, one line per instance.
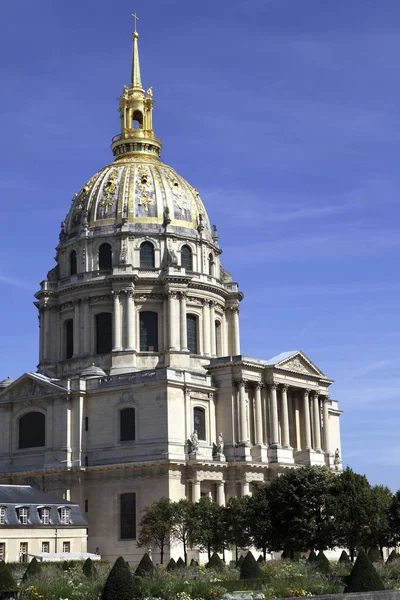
[138, 192]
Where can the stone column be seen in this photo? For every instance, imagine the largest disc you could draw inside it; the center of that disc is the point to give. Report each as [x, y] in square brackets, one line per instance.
[243, 429]
[221, 493]
[245, 485]
[259, 439]
[274, 416]
[297, 421]
[212, 330]
[41, 335]
[86, 325]
[285, 417]
[307, 423]
[196, 491]
[182, 305]
[172, 321]
[206, 328]
[327, 441]
[235, 331]
[265, 403]
[317, 424]
[117, 345]
[130, 320]
[45, 323]
[76, 328]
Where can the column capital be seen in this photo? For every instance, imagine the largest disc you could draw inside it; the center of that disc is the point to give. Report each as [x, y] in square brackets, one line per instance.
[170, 295]
[115, 293]
[240, 382]
[130, 292]
[306, 391]
[258, 385]
[273, 385]
[234, 309]
[315, 393]
[284, 387]
[183, 295]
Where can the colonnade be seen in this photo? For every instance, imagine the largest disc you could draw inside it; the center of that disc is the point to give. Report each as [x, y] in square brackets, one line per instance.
[279, 415]
[221, 496]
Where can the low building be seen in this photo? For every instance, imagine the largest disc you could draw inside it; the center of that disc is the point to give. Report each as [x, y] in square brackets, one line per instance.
[34, 523]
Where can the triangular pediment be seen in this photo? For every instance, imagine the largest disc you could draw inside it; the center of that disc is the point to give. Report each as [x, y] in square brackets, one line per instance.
[299, 363]
[31, 385]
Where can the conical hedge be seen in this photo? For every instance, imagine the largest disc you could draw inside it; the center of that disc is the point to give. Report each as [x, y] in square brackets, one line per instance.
[119, 583]
[250, 568]
[194, 563]
[7, 582]
[363, 577]
[171, 566]
[322, 563]
[215, 563]
[145, 568]
[312, 557]
[393, 556]
[374, 554]
[33, 569]
[344, 558]
[240, 561]
[260, 559]
[88, 569]
[180, 563]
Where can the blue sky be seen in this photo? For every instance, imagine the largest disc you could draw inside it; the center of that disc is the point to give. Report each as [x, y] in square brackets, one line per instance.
[285, 115]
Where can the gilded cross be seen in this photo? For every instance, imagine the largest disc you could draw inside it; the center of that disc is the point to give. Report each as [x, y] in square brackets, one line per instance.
[136, 19]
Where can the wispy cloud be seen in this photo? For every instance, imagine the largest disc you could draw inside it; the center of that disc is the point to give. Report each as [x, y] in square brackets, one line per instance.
[16, 282]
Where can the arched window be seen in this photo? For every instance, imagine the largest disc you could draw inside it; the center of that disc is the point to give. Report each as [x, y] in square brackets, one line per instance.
[147, 255]
[218, 339]
[187, 258]
[69, 338]
[105, 257]
[32, 430]
[137, 120]
[191, 329]
[210, 264]
[103, 333]
[148, 331]
[199, 422]
[127, 424]
[73, 263]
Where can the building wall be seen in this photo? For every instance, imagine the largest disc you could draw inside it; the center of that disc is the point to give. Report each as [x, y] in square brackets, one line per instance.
[13, 537]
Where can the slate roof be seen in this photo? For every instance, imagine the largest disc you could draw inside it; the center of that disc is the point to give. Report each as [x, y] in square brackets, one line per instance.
[282, 356]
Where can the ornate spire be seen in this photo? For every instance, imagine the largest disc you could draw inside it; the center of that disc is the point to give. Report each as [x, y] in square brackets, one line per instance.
[136, 112]
[135, 73]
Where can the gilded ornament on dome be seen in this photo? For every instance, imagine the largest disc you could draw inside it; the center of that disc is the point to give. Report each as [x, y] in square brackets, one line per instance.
[144, 188]
[176, 190]
[109, 191]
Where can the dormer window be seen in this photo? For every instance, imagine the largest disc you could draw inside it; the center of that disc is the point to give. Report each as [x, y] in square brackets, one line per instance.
[23, 514]
[3, 512]
[44, 514]
[65, 515]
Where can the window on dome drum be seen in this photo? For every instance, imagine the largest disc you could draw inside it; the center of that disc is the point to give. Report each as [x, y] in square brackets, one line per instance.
[23, 514]
[187, 258]
[73, 263]
[137, 120]
[65, 515]
[66, 547]
[199, 422]
[45, 547]
[210, 264]
[32, 430]
[44, 515]
[23, 552]
[148, 331]
[191, 329]
[147, 256]
[128, 516]
[127, 424]
[103, 333]
[105, 257]
[3, 511]
[69, 338]
[218, 340]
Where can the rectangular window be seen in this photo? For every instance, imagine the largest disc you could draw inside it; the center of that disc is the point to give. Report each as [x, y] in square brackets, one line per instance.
[127, 424]
[191, 332]
[199, 420]
[128, 516]
[66, 547]
[86, 505]
[2, 552]
[86, 423]
[23, 515]
[23, 552]
[45, 516]
[3, 511]
[45, 547]
[65, 514]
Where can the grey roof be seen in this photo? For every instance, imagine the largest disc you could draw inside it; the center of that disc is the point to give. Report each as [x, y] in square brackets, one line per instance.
[280, 357]
[26, 494]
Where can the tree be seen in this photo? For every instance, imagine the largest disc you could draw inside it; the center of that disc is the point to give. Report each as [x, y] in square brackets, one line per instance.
[353, 510]
[119, 583]
[7, 582]
[210, 531]
[250, 568]
[363, 576]
[236, 523]
[155, 526]
[394, 517]
[259, 520]
[301, 510]
[33, 569]
[184, 526]
[381, 532]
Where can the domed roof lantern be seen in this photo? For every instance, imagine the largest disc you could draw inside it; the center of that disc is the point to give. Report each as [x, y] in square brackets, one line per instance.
[92, 371]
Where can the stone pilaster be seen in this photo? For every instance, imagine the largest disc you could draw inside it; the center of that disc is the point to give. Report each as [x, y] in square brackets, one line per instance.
[274, 415]
[307, 422]
[117, 330]
[183, 328]
[317, 423]
[130, 310]
[206, 328]
[285, 417]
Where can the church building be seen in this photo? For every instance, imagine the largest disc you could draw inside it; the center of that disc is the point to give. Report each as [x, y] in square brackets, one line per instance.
[141, 389]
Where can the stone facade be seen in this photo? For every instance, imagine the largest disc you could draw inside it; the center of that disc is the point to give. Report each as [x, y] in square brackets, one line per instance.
[141, 390]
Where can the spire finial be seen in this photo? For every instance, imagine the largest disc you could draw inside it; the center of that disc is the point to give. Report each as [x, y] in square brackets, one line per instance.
[135, 74]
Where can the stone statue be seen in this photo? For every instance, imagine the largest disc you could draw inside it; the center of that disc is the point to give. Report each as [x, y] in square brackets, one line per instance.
[337, 459]
[150, 92]
[194, 442]
[220, 444]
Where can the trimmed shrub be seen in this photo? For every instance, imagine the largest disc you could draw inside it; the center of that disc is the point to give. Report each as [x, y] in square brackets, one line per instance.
[374, 554]
[312, 557]
[322, 563]
[180, 563]
[194, 563]
[296, 555]
[393, 556]
[260, 559]
[145, 568]
[344, 558]
[88, 569]
[171, 566]
[250, 568]
[240, 561]
[215, 563]
[119, 583]
[285, 555]
[7, 582]
[33, 569]
[363, 576]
